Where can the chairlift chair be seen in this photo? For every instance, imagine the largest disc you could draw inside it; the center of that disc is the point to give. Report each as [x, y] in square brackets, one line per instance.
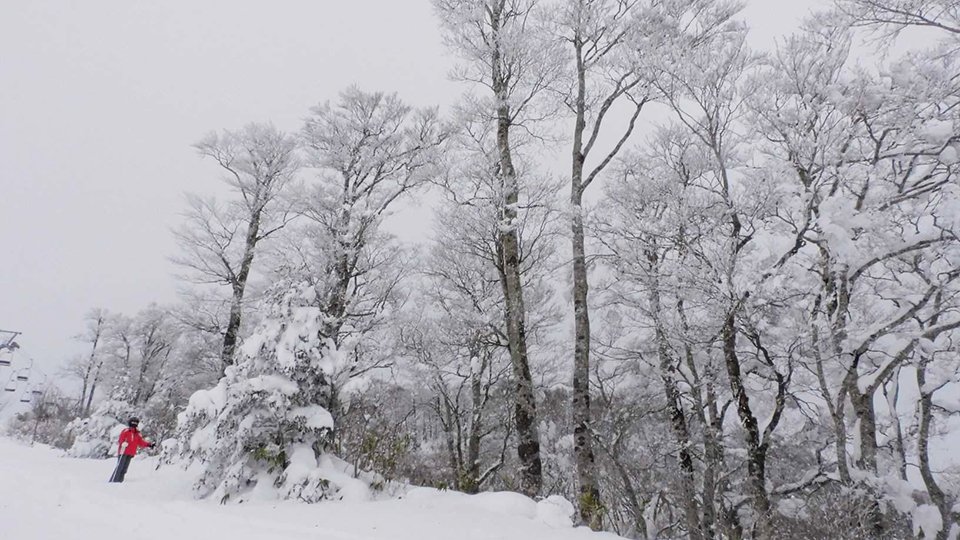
[10, 388]
[23, 377]
[36, 392]
[25, 398]
[8, 342]
[4, 361]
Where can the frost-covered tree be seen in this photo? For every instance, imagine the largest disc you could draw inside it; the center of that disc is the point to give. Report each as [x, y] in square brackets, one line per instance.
[785, 256]
[465, 370]
[617, 51]
[219, 241]
[874, 163]
[89, 367]
[669, 309]
[143, 348]
[603, 76]
[268, 424]
[505, 52]
[264, 416]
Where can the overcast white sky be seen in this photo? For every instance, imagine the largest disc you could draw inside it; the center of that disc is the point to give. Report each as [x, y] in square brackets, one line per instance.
[101, 100]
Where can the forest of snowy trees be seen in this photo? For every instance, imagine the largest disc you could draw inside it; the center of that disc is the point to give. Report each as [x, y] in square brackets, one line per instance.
[701, 291]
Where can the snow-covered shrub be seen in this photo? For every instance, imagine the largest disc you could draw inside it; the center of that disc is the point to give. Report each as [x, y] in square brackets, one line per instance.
[96, 436]
[159, 415]
[46, 421]
[373, 431]
[265, 426]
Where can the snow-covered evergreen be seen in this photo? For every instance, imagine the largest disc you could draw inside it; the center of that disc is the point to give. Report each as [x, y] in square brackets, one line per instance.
[265, 423]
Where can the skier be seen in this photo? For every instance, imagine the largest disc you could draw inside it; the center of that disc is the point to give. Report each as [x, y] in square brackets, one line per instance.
[130, 442]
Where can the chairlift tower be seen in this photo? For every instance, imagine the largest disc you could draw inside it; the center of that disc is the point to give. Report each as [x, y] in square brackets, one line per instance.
[7, 344]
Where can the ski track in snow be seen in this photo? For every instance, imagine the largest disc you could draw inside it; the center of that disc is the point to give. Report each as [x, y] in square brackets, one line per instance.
[44, 496]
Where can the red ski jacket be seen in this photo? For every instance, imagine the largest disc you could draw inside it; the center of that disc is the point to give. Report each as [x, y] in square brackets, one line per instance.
[134, 441]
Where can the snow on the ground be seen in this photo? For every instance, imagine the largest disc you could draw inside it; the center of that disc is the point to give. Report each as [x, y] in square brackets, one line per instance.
[46, 496]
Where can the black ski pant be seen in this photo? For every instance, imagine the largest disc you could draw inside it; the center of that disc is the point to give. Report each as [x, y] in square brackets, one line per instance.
[123, 462]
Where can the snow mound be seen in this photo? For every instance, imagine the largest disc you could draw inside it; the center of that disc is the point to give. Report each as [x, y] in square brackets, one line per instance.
[554, 511]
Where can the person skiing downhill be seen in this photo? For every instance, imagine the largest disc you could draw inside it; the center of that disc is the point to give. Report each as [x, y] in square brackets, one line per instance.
[130, 442]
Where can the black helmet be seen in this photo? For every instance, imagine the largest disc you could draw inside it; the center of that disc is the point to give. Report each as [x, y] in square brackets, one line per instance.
[133, 422]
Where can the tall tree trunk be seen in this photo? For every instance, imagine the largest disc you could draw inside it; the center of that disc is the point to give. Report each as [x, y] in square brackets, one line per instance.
[525, 409]
[829, 308]
[756, 451]
[81, 405]
[867, 418]
[867, 421]
[591, 509]
[837, 411]
[678, 420]
[232, 334]
[91, 374]
[939, 498]
[756, 447]
[709, 416]
[472, 466]
[85, 411]
[89, 403]
[447, 420]
[892, 393]
[712, 433]
[590, 48]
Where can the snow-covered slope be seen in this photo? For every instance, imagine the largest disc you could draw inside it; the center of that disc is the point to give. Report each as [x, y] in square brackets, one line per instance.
[44, 496]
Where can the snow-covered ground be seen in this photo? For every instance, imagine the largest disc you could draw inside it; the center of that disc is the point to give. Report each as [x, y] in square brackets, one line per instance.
[45, 496]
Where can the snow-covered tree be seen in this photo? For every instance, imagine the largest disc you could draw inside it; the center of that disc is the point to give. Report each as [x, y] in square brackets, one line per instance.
[220, 241]
[603, 76]
[785, 256]
[89, 367]
[874, 163]
[268, 424]
[506, 52]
